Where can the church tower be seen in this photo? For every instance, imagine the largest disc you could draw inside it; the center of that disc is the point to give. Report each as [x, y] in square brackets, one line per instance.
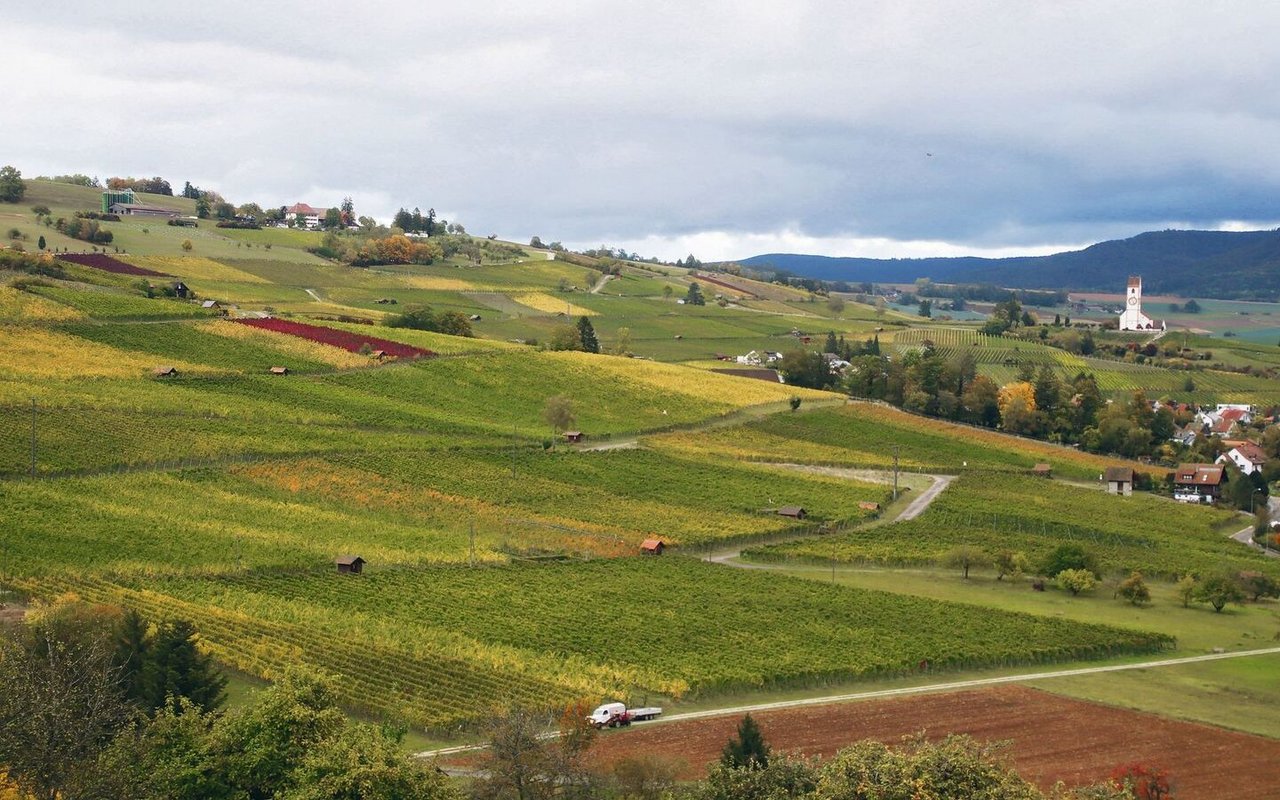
[1132, 318]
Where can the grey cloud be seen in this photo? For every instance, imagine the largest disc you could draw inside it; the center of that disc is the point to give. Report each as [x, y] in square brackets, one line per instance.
[610, 121]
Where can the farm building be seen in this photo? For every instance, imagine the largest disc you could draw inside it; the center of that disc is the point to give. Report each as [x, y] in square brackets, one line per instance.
[795, 512]
[653, 547]
[210, 304]
[279, 370]
[165, 372]
[574, 436]
[180, 289]
[352, 565]
[1042, 471]
[1198, 483]
[113, 197]
[1119, 480]
[139, 210]
[310, 217]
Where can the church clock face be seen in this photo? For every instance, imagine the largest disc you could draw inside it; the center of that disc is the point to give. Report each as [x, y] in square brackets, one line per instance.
[1133, 301]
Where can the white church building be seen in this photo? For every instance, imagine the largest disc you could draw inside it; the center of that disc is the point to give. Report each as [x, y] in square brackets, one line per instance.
[1132, 318]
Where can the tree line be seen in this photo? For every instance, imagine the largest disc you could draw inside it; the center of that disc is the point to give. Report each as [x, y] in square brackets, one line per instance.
[100, 702]
[1038, 403]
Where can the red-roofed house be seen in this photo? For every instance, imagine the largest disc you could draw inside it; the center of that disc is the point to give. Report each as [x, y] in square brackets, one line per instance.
[1198, 483]
[1245, 455]
[311, 217]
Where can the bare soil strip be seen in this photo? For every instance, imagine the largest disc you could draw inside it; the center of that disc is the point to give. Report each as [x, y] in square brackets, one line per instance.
[1052, 738]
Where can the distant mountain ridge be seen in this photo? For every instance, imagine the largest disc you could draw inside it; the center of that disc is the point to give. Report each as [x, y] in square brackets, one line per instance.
[1220, 264]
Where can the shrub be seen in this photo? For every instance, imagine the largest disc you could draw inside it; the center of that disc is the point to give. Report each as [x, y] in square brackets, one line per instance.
[1076, 581]
[1134, 589]
[1069, 556]
[187, 245]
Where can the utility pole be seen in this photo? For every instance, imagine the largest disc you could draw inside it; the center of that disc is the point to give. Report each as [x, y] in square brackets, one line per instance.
[895, 471]
[33, 437]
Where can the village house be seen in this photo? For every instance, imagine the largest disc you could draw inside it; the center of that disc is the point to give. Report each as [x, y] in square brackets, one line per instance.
[1247, 456]
[1185, 436]
[1198, 483]
[835, 363]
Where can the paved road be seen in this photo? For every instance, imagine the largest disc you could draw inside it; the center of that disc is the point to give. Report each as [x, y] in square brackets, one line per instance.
[951, 686]
[731, 557]
[922, 502]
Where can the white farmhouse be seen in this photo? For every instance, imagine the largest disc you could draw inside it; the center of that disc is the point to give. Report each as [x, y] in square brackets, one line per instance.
[311, 217]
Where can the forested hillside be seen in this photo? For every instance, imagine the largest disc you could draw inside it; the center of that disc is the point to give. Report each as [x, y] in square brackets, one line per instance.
[1217, 264]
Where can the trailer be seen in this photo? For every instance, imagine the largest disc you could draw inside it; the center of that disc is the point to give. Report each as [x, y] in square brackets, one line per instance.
[613, 715]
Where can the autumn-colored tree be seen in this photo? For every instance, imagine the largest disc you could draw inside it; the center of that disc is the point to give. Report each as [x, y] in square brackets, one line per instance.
[395, 250]
[1143, 781]
[1017, 403]
[1134, 589]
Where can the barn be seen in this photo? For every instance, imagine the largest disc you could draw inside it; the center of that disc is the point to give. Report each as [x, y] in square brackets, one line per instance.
[1119, 480]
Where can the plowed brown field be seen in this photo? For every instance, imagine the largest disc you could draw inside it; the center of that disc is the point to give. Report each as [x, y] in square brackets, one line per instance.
[1053, 738]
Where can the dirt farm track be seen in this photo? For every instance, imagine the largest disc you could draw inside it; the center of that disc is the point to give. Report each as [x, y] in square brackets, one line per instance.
[1053, 738]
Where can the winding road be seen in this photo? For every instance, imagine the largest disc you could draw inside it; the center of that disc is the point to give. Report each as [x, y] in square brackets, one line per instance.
[1024, 677]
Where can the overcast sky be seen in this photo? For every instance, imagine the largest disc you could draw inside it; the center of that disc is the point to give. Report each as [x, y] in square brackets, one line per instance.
[725, 129]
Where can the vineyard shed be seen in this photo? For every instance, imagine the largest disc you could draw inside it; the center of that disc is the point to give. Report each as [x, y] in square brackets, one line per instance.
[574, 436]
[795, 512]
[1119, 480]
[165, 372]
[867, 505]
[353, 565]
[279, 370]
[1042, 471]
[653, 547]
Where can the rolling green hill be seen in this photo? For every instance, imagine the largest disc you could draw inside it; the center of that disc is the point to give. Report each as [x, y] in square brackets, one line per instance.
[503, 561]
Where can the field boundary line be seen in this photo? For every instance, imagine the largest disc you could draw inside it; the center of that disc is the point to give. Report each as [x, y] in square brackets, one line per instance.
[905, 691]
